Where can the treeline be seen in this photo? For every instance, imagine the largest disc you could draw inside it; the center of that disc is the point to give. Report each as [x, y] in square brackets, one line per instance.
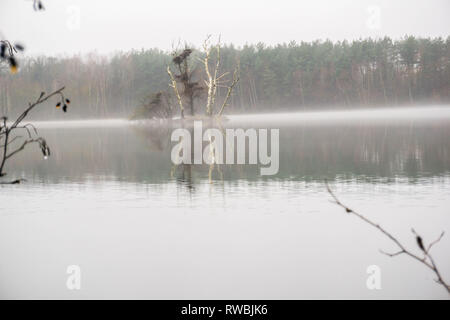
[294, 76]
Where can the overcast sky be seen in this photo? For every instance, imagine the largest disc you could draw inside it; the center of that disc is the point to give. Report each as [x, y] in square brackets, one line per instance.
[104, 26]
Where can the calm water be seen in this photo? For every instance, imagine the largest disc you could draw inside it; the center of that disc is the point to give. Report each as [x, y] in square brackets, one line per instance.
[110, 201]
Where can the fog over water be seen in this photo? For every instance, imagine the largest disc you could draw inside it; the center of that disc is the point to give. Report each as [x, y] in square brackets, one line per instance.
[109, 200]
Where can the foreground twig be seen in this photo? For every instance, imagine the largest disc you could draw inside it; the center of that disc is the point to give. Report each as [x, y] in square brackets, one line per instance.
[32, 134]
[426, 260]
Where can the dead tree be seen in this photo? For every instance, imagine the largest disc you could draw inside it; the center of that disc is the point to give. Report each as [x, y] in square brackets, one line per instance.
[31, 134]
[187, 89]
[427, 260]
[214, 80]
[191, 89]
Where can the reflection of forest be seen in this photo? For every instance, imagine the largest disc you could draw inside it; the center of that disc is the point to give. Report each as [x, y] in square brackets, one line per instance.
[370, 151]
[142, 154]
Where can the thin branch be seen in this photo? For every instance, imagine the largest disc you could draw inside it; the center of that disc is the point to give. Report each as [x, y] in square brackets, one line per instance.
[222, 75]
[435, 241]
[22, 147]
[42, 98]
[392, 254]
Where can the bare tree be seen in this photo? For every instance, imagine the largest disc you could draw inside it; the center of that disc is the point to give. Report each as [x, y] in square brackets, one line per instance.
[426, 259]
[7, 138]
[214, 80]
[185, 79]
[191, 88]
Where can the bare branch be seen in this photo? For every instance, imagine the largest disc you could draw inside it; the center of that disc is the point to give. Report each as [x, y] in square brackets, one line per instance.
[12, 140]
[22, 147]
[392, 254]
[40, 100]
[222, 75]
[435, 241]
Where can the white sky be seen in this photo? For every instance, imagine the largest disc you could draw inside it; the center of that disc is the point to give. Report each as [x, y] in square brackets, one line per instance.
[104, 26]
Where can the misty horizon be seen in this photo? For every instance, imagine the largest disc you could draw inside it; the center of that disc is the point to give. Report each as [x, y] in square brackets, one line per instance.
[290, 77]
[226, 44]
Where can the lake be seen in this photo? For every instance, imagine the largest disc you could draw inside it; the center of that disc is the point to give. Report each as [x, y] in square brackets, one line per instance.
[110, 201]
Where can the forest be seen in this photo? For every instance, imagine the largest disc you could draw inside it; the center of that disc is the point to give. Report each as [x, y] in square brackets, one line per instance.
[286, 77]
